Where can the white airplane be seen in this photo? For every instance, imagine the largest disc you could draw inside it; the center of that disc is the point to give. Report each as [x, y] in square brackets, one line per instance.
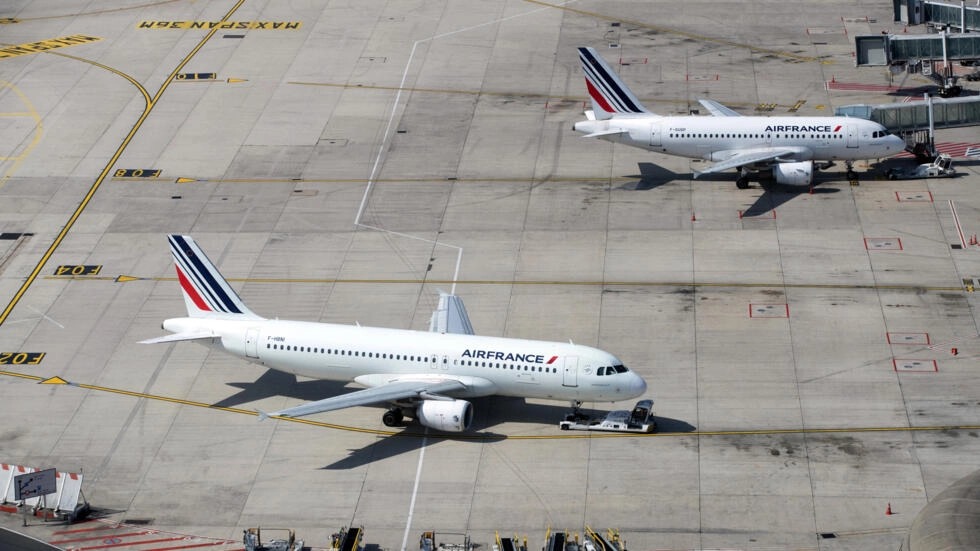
[423, 374]
[780, 149]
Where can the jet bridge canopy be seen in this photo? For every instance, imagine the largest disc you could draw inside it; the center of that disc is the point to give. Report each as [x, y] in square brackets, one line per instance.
[905, 118]
[890, 49]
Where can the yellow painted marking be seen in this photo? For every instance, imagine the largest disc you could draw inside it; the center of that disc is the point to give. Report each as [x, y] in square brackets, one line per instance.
[236, 80]
[53, 381]
[137, 173]
[222, 25]
[45, 45]
[35, 135]
[185, 180]
[21, 358]
[563, 435]
[125, 278]
[150, 103]
[197, 76]
[78, 269]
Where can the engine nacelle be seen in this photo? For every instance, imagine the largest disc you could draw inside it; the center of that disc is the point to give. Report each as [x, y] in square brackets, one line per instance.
[793, 174]
[445, 415]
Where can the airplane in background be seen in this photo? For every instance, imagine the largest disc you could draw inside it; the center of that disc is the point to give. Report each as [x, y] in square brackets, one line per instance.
[770, 149]
[424, 375]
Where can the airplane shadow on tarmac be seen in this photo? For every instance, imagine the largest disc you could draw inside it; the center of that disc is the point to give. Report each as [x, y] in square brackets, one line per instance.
[489, 412]
[652, 176]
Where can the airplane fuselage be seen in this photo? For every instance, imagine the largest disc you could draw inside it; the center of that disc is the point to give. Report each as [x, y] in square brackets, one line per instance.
[718, 138]
[372, 356]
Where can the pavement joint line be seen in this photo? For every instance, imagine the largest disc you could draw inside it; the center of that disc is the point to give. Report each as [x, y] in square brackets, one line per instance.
[492, 436]
[761, 285]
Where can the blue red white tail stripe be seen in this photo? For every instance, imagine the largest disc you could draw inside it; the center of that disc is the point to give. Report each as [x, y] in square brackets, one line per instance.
[609, 93]
[205, 291]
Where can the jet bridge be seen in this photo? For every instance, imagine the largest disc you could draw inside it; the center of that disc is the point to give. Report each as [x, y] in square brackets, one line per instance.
[938, 14]
[916, 121]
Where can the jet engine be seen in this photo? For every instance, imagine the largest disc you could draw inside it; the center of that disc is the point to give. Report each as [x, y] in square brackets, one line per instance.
[793, 174]
[445, 415]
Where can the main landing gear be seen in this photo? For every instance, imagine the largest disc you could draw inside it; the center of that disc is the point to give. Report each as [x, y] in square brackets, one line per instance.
[743, 179]
[576, 414]
[851, 175]
[393, 417]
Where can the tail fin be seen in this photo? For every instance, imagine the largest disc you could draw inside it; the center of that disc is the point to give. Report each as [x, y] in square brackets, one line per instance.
[610, 95]
[206, 293]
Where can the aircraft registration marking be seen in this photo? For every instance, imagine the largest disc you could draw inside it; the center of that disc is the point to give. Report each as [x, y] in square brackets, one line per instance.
[238, 25]
[78, 269]
[21, 358]
[35, 47]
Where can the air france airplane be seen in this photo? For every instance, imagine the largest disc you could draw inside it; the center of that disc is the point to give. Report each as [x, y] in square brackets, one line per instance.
[780, 149]
[424, 375]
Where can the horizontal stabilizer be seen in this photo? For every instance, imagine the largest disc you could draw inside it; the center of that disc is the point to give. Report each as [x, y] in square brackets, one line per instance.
[606, 133]
[188, 336]
[450, 316]
[718, 109]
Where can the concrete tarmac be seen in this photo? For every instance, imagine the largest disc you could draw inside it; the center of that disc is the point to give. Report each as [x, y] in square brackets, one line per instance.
[810, 355]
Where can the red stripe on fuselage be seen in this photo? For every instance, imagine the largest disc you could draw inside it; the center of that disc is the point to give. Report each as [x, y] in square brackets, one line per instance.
[189, 289]
[552, 360]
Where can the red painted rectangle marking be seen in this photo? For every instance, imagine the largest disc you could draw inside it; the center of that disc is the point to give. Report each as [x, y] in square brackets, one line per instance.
[908, 338]
[914, 366]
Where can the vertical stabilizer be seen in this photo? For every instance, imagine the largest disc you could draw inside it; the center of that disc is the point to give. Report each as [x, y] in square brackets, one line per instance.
[206, 293]
[610, 95]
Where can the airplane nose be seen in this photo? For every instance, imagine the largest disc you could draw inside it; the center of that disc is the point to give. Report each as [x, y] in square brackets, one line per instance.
[638, 385]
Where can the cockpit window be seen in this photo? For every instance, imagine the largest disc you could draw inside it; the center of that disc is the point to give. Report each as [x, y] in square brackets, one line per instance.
[620, 368]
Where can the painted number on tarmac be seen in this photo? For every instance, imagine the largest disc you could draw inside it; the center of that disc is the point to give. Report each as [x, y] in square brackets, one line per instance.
[197, 76]
[78, 269]
[20, 358]
[137, 173]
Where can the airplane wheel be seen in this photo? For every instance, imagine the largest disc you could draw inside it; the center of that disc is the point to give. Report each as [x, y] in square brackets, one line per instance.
[742, 183]
[851, 175]
[392, 418]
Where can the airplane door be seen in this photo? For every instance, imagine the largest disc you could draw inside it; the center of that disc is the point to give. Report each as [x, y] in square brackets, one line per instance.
[570, 373]
[852, 137]
[252, 342]
[655, 133]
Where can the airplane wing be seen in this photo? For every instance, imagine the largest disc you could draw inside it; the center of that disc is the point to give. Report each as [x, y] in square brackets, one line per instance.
[450, 316]
[742, 159]
[387, 392]
[717, 109]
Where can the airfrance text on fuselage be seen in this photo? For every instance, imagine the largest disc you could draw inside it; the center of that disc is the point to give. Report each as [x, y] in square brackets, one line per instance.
[794, 128]
[507, 356]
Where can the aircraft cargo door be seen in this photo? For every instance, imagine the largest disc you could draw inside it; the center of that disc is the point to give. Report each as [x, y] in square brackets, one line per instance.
[655, 133]
[570, 374]
[252, 342]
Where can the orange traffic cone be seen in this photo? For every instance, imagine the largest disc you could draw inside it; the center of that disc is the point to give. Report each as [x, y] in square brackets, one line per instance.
[888, 510]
